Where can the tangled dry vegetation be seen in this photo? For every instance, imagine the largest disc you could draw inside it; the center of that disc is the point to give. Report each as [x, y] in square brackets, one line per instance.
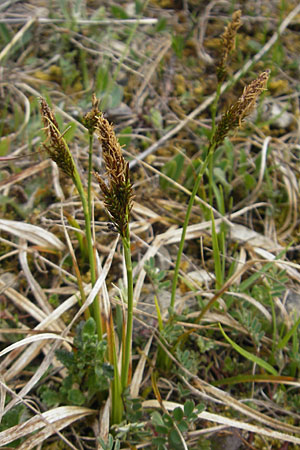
[230, 345]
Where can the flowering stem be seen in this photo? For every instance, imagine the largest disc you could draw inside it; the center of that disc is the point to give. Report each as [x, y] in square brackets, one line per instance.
[186, 222]
[117, 407]
[128, 337]
[89, 188]
[230, 120]
[96, 313]
[211, 158]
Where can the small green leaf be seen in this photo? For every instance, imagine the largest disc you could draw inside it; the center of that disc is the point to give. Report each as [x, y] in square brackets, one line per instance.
[65, 357]
[123, 139]
[183, 426]
[156, 118]
[14, 417]
[161, 25]
[156, 418]
[89, 327]
[50, 397]
[178, 414]
[175, 440]
[200, 408]
[116, 96]
[159, 441]
[119, 12]
[4, 146]
[173, 169]
[249, 181]
[161, 429]
[102, 78]
[189, 407]
[76, 397]
[178, 45]
[5, 33]
[168, 420]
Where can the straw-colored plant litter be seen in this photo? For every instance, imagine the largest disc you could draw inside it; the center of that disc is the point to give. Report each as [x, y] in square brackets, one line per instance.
[150, 272]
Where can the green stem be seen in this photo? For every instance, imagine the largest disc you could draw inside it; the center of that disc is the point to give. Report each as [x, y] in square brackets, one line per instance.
[84, 69]
[210, 180]
[214, 108]
[186, 222]
[73, 222]
[117, 407]
[213, 129]
[89, 189]
[96, 313]
[128, 338]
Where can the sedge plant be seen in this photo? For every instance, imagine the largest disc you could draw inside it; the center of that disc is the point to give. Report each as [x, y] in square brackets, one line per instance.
[230, 120]
[117, 192]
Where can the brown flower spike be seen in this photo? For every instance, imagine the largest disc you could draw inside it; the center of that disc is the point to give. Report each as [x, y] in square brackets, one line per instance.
[117, 190]
[90, 120]
[237, 112]
[228, 43]
[57, 147]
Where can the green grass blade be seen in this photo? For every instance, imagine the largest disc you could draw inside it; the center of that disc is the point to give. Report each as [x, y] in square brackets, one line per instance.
[159, 318]
[216, 253]
[260, 362]
[288, 335]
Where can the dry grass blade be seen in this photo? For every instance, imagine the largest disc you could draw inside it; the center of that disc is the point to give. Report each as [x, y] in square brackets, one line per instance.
[28, 340]
[34, 285]
[255, 303]
[32, 233]
[42, 368]
[291, 183]
[139, 371]
[98, 285]
[26, 173]
[103, 431]
[238, 406]
[57, 418]
[21, 302]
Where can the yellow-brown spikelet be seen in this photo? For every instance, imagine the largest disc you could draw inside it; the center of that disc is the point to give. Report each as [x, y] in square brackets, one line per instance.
[118, 189]
[90, 119]
[234, 116]
[228, 44]
[56, 147]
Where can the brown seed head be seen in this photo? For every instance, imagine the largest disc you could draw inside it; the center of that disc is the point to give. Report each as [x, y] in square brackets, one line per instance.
[118, 189]
[56, 147]
[237, 112]
[91, 118]
[228, 43]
